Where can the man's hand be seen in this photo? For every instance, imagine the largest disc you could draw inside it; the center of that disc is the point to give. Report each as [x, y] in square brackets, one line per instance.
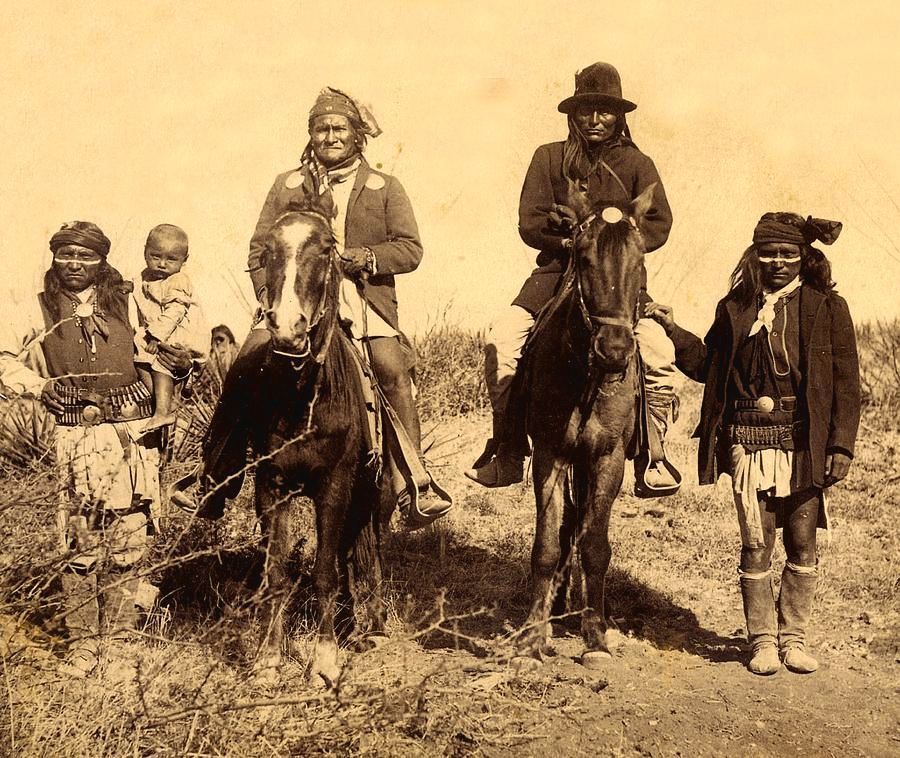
[51, 398]
[354, 260]
[663, 315]
[175, 358]
[837, 464]
[561, 219]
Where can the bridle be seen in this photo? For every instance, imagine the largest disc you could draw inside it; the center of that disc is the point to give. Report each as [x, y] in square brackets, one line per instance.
[298, 359]
[592, 322]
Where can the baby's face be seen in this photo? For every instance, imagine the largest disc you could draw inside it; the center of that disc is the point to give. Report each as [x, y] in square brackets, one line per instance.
[163, 260]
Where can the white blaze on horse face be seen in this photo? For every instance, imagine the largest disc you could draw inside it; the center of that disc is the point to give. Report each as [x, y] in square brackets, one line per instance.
[289, 318]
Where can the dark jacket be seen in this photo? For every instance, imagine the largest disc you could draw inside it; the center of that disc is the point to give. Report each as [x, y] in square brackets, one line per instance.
[379, 216]
[829, 378]
[546, 184]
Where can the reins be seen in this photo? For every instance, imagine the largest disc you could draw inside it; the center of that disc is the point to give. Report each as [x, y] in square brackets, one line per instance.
[594, 386]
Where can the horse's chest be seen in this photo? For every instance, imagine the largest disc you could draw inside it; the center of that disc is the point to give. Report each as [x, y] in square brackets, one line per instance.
[599, 437]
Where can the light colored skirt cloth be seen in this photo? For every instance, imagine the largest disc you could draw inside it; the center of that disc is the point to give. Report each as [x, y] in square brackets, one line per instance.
[762, 471]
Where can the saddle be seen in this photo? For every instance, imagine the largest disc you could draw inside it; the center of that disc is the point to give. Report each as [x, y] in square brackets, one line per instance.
[645, 447]
[389, 443]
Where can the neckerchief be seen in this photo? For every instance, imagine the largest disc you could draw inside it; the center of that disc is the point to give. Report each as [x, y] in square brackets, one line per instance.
[325, 178]
[765, 317]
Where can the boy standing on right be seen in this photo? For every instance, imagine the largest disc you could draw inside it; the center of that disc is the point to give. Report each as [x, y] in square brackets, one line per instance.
[780, 414]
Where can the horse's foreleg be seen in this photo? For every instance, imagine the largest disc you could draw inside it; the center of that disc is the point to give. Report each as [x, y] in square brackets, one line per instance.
[331, 510]
[549, 481]
[604, 481]
[272, 509]
[568, 534]
[366, 563]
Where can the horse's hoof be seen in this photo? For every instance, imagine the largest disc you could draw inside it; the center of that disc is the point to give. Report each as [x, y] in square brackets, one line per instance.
[377, 640]
[325, 669]
[319, 680]
[266, 670]
[522, 664]
[595, 659]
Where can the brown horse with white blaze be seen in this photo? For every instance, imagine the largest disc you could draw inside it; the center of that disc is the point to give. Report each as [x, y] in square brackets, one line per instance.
[309, 438]
[580, 368]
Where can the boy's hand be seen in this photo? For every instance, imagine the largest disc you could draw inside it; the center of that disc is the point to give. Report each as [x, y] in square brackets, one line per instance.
[664, 315]
[152, 345]
[837, 464]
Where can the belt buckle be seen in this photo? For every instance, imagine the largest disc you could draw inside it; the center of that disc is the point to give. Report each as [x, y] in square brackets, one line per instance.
[91, 415]
[765, 404]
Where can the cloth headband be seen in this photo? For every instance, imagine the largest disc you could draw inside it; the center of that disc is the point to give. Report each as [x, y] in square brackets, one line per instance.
[769, 230]
[92, 239]
[333, 101]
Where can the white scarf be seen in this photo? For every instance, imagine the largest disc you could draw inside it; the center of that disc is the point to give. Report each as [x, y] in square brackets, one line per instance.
[766, 315]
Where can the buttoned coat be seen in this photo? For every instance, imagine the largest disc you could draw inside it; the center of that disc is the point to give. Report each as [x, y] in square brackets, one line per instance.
[829, 368]
[379, 216]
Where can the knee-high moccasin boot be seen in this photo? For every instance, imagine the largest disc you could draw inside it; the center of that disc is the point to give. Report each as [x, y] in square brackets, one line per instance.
[83, 623]
[795, 604]
[762, 630]
[120, 613]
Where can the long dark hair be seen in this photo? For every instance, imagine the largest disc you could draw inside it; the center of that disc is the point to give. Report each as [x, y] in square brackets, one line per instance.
[577, 160]
[746, 279]
[112, 292]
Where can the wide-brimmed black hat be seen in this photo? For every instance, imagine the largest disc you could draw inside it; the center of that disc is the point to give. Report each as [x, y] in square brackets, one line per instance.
[598, 84]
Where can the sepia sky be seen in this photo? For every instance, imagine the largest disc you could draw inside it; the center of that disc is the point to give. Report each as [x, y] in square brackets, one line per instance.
[132, 114]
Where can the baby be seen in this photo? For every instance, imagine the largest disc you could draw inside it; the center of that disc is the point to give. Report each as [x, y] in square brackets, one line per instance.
[168, 313]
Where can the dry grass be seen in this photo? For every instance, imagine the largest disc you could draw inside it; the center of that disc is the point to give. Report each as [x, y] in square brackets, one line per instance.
[457, 593]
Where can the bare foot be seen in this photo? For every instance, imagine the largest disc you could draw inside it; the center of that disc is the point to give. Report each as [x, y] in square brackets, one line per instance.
[157, 421]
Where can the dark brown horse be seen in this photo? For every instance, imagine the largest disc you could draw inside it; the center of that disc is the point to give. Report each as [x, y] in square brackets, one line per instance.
[581, 377]
[309, 438]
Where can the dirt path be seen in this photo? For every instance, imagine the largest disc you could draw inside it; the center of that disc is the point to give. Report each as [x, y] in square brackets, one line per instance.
[676, 684]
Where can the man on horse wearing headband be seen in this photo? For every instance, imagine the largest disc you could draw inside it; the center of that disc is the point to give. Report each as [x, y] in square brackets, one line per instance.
[600, 155]
[377, 239]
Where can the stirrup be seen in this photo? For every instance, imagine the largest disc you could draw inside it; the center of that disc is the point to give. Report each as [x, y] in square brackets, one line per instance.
[420, 506]
[657, 478]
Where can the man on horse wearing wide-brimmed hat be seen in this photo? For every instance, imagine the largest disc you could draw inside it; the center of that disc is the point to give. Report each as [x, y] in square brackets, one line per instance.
[600, 155]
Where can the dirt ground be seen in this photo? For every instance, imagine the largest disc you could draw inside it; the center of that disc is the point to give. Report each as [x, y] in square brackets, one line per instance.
[441, 685]
[677, 683]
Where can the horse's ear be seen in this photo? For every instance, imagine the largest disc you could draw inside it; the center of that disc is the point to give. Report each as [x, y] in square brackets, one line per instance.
[576, 197]
[641, 204]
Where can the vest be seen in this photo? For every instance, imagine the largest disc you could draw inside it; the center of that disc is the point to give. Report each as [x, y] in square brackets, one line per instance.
[72, 362]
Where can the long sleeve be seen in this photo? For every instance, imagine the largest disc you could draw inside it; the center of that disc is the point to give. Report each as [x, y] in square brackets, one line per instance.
[657, 222]
[270, 212]
[845, 405]
[536, 197]
[694, 356]
[22, 368]
[402, 250]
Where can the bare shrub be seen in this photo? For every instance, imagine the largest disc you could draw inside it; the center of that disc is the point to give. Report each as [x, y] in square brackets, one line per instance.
[879, 368]
[449, 370]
